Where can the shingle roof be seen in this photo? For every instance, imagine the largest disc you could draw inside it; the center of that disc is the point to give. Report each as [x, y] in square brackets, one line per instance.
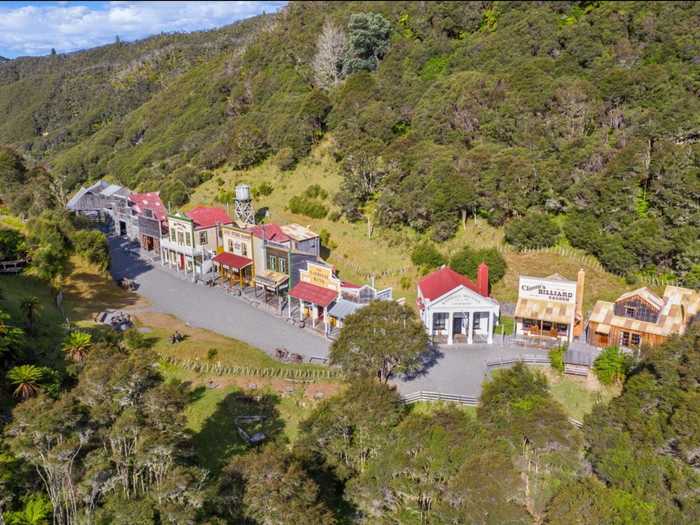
[314, 294]
[441, 281]
[542, 310]
[204, 217]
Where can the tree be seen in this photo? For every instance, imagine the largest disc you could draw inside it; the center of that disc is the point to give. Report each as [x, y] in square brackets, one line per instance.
[381, 339]
[273, 489]
[534, 230]
[77, 345]
[30, 306]
[467, 260]
[426, 256]
[11, 337]
[26, 380]
[610, 366]
[368, 39]
[36, 511]
[331, 51]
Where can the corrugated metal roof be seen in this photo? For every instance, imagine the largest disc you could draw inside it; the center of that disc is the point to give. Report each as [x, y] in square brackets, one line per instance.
[111, 190]
[73, 202]
[343, 308]
[298, 232]
[545, 310]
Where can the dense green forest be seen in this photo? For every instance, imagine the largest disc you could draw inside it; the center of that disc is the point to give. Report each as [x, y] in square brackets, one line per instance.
[580, 117]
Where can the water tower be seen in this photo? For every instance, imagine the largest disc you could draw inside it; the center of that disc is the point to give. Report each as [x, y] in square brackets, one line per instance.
[244, 205]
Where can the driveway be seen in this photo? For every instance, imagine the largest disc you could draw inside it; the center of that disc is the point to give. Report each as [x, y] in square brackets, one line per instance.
[210, 308]
[461, 369]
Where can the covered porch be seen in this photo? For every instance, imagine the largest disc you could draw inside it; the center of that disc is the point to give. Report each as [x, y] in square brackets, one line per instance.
[235, 269]
[313, 302]
[469, 327]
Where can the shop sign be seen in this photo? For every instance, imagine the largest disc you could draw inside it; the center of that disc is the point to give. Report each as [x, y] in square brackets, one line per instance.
[543, 289]
[320, 276]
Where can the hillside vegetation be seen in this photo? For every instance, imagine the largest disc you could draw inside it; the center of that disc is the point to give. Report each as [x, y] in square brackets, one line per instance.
[581, 117]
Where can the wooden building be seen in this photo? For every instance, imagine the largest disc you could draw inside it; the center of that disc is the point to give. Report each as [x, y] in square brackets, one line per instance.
[99, 202]
[235, 262]
[550, 307]
[641, 317]
[151, 219]
[318, 288]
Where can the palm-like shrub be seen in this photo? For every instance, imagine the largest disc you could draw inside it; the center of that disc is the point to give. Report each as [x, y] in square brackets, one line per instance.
[25, 379]
[610, 366]
[77, 346]
[30, 307]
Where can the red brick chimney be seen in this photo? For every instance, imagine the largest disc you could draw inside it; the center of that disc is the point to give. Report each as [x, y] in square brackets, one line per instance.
[482, 279]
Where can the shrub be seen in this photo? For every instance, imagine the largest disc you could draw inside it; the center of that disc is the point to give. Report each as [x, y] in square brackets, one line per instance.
[309, 207]
[285, 159]
[443, 230]
[610, 366]
[326, 241]
[556, 358]
[92, 246]
[223, 196]
[534, 230]
[12, 245]
[334, 216]
[466, 261]
[405, 282]
[263, 189]
[425, 255]
[316, 192]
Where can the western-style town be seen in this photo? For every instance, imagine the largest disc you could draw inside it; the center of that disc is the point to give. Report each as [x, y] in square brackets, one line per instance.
[350, 263]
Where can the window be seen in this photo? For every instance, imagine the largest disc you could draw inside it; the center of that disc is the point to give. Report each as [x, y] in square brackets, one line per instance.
[230, 246]
[477, 320]
[244, 249]
[630, 311]
[625, 338]
[180, 238]
[272, 263]
[440, 321]
[188, 238]
[636, 339]
[172, 235]
[203, 238]
[282, 264]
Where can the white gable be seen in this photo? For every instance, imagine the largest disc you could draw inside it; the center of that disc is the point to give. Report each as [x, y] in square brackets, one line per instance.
[463, 297]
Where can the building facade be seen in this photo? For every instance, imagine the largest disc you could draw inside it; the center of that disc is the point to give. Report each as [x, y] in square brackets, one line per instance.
[550, 307]
[236, 263]
[193, 240]
[456, 310]
[641, 317]
[150, 218]
[100, 202]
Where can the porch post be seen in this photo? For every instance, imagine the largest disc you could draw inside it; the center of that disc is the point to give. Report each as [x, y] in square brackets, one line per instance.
[429, 324]
[489, 327]
[470, 328]
[450, 328]
[301, 309]
[289, 311]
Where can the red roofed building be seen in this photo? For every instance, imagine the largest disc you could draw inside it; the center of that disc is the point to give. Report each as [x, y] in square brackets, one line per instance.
[150, 218]
[455, 309]
[204, 217]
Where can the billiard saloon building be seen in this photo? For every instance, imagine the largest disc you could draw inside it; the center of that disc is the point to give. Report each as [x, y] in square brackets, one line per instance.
[550, 307]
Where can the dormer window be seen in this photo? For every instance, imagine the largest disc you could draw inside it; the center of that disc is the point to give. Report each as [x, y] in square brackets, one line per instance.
[630, 311]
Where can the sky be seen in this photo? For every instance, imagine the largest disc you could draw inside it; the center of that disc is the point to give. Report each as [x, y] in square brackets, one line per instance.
[34, 28]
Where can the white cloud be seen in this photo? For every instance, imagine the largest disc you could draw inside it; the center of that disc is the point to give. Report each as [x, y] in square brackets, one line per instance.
[36, 29]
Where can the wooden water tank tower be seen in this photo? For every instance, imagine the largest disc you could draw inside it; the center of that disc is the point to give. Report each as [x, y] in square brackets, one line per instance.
[245, 213]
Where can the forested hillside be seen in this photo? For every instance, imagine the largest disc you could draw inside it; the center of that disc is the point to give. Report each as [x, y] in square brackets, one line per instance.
[581, 118]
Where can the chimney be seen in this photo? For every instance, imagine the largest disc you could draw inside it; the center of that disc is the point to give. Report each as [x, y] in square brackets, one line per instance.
[482, 279]
[580, 279]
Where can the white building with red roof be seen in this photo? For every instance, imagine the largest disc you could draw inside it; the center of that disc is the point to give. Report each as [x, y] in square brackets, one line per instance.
[456, 310]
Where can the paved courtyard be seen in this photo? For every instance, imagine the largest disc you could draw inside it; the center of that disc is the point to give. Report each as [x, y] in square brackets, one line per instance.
[211, 308]
[461, 369]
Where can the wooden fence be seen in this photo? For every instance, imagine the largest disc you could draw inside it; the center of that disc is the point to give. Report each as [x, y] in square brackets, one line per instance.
[526, 359]
[12, 266]
[423, 395]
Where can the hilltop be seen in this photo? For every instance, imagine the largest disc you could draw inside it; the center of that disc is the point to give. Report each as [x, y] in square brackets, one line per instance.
[580, 117]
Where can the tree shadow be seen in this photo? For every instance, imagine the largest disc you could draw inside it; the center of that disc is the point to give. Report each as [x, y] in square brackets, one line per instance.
[237, 414]
[429, 359]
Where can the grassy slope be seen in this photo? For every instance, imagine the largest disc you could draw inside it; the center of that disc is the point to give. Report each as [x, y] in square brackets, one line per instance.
[387, 254]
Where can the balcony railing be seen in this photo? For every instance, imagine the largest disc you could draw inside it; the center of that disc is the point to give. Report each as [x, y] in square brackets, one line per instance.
[179, 248]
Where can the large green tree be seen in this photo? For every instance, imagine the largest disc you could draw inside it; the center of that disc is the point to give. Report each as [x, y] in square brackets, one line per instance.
[379, 340]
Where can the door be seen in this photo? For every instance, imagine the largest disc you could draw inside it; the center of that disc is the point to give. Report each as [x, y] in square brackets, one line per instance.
[122, 228]
[182, 262]
[458, 325]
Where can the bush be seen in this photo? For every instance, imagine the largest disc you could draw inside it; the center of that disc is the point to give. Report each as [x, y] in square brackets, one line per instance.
[223, 196]
[309, 207]
[426, 256]
[316, 192]
[534, 230]
[326, 241]
[12, 245]
[556, 358]
[92, 246]
[466, 261]
[334, 216]
[263, 189]
[285, 159]
[610, 366]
